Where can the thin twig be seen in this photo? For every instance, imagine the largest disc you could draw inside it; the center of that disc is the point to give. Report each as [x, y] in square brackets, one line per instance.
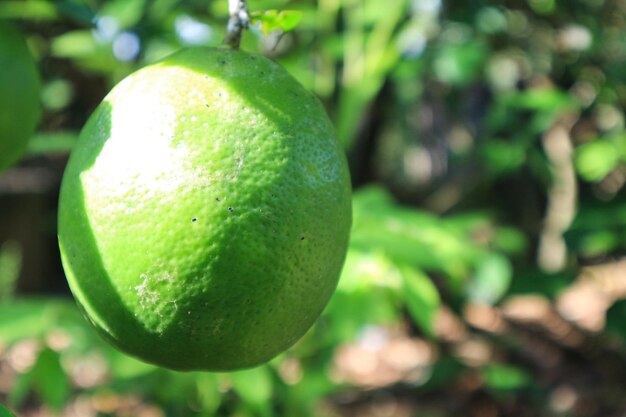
[239, 20]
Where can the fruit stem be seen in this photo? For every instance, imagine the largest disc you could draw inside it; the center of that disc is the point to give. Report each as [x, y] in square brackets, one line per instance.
[239, 20]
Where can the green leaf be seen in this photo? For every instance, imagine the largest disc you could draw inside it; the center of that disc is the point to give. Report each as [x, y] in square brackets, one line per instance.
[47, 377]
[50, 380]
[460, 64]
[421, 298]
[124, 366]
[594, 160]
[254, 386]
[46, 143]
[10, 266]
[413, 237]
[444, 372]
[74, 44]
[505, 377]
[503, 157]
[22, 320]
[491, 280]
[367, 294]
[19, 390]
[77, 11]
[57, 94]
[4, 412]
[541, 99]
[208, 392]
[35, 317]
[127, 13]
[31, 10]
[272, 20]
[543, 6]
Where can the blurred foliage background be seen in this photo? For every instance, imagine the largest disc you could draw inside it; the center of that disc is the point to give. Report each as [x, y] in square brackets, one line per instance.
[487, 147]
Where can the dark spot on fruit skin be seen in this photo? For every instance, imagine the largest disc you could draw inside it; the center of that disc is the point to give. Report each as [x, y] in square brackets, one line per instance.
[206, 105]
[248, 301]
[217, 199]
[195, 219]
[231, 209]
[301, 237]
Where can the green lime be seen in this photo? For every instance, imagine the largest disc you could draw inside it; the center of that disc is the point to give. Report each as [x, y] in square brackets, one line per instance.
[19, 95]
[205, 211]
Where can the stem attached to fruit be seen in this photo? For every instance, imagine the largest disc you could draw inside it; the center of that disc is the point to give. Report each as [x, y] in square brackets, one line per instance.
[239, 20]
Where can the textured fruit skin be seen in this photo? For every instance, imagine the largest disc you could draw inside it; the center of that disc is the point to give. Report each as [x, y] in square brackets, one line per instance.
[205, 212]
[19, 95]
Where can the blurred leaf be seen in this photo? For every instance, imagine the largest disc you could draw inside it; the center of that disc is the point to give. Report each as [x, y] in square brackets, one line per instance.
[20, 389]
[544, 104]
[209, 395]
[74, 44]
[31, 10]
[46, 10]
[35, 317]
[272, 20]
[598, 228]
[411, 236]
[23, 320]
[56, 94]
[599, 242]
[46, 143]
[505, 377]
[594, 215]
[4, 412]
[491, 279]
[366, 294]
[127, 13]
[10, 267]
[50, 380]
[535, 281]
[124, 366]
[595, 159]
[370, 53]
[491, 20]
[373, 198]
[78, 11]
[616, 321]
[421, 297]
[445, 371]
[46, 377]
[509, 240]
[543, 6]
[368, 270]
[540, 99]
[460, 64]
[255, 387]
[504, 157]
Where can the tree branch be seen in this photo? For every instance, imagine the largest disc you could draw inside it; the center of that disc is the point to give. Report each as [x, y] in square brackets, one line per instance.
[239, 20]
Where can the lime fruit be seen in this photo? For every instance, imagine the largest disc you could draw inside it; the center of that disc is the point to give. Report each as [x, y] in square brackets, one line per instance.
[19, 95]
[204, 214]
